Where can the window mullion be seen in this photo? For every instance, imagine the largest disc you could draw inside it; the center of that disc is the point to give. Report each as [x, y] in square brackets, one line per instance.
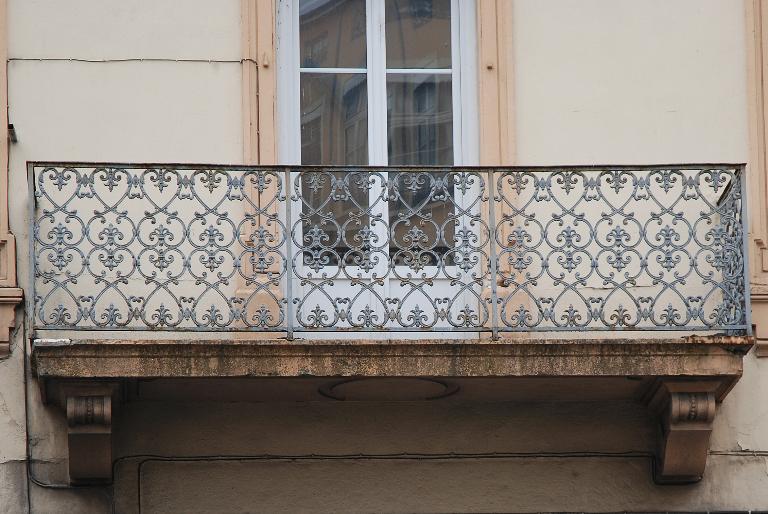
[458, 157]
[377, 112]
[377, 80]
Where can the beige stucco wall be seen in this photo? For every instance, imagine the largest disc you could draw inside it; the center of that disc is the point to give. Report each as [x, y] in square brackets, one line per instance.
[528, 484]
[87, 29]
[595, 81]
[626, 82]
[599, 81]
[139, 105]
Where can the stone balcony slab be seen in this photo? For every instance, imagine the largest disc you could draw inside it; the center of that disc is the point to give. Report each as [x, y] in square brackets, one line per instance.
[680, 379]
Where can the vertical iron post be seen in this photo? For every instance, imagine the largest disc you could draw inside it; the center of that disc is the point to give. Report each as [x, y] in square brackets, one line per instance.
[493, 263]
[744, 219]
[288, 255]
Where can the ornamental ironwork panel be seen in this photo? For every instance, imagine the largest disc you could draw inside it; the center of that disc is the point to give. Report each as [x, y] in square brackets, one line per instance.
[119, 247]
[175, 247]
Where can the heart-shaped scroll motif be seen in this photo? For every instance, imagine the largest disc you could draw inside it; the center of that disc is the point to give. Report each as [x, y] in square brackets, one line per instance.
[212, 191]
[160, 188]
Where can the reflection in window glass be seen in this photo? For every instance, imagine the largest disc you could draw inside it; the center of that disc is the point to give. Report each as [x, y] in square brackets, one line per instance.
[335, 220]
[334, 119]
[420, 120]
[418, 33]
[334, 131]
[420, 218]
[332, 33]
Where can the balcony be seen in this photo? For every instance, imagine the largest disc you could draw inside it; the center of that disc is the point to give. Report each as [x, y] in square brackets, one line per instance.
[454, 277]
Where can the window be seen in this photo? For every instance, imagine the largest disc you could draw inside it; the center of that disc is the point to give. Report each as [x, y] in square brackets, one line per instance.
[377, 82]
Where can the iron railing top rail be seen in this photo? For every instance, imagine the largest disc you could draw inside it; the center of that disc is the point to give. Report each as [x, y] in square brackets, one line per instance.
[517, 167]
[290, 248]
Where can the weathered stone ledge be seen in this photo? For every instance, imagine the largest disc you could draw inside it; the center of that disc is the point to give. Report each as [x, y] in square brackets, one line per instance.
[691, 356]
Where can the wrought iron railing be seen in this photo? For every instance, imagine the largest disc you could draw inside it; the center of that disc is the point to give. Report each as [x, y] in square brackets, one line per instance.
[218, 248]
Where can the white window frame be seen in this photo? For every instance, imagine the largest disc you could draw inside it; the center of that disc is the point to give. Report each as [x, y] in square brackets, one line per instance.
[463, 70]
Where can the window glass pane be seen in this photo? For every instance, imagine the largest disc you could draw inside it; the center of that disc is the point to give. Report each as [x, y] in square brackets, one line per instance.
[420, 120]
[334, 131]
[418, 33]
[335, 221]
[421, 219]
[332, 33]
[334, 119]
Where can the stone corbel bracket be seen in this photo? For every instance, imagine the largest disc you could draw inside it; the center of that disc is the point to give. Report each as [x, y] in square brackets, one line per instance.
[686, 411]
[89, 411]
